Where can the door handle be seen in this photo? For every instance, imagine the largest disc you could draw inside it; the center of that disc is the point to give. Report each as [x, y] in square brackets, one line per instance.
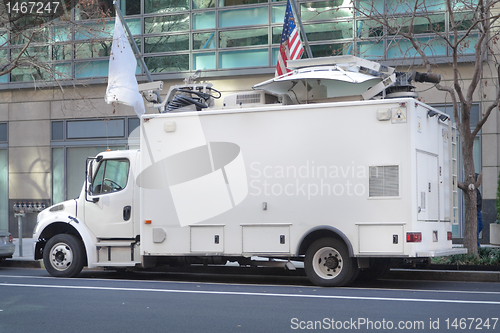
[126, 212]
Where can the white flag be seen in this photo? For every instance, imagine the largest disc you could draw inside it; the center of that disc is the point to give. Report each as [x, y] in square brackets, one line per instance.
[122, 84]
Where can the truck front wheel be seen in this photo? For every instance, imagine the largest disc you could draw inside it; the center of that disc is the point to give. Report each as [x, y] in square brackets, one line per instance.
[63, 256]
[327, 263]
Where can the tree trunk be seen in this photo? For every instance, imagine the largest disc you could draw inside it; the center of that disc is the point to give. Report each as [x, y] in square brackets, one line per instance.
[470, 196]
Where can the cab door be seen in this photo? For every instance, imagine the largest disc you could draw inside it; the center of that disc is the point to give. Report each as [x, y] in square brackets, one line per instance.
[109, 213]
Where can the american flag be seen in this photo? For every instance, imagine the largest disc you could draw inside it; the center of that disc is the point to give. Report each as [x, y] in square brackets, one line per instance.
[291, 46]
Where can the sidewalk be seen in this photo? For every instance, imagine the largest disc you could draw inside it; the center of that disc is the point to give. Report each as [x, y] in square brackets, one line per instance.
[27, 260]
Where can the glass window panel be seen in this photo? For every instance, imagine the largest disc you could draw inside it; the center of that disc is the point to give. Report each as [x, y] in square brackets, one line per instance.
[369, 7]
[278, 14]
[421, 25]
[85, 10]
[93, 30]
[91, 68]
[205, 40]
[241, 38]
[3, 37]
[87, 129]
[41, 53]
[22, 74]
[57, 175]
[134, 24]
[467, 46]
[325, 10]
[461, 5]
[204, 20]
[371, 50]
[275, 54]
[223, 3]
[369, 28]
[165, 6]
[3, 54]
[101, 29]
[4, 190]
[3, 132]
[92, 50]
[159, 24]
[203, 61]
[63, 71]
[242, 17]
[276, 39]
[202, 4]
[111, 176]
[330, 49]
[61, 51]
[463, 21]
[171, 63]
[404, 49]
[405, 6]
[23, 36]
[57, 130]
[244, 58]
[61, 33]
[3, 78]
[328, 31]
[133, 123]
[168, 43]
[132, 7]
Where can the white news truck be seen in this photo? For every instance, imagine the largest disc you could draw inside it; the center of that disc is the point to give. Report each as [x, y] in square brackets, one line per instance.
[344, 171]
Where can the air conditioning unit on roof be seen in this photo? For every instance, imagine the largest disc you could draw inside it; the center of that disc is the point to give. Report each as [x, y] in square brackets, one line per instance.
[248, 99]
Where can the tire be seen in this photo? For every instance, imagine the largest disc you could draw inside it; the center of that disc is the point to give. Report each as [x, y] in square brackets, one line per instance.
[327, 263]
[63, 256]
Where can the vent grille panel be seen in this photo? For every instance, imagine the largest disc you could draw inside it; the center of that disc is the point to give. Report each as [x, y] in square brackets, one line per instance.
[384, 181]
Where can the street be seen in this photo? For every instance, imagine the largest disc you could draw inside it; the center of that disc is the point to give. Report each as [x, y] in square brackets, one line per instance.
[102, 301]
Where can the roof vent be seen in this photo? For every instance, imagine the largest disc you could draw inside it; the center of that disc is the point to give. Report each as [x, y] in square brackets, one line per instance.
[249, 98]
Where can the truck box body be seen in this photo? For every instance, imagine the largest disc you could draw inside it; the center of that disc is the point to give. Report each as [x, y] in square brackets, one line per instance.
[334, 165]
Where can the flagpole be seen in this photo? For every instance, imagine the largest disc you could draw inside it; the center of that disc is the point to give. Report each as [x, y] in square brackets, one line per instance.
[302, 31]
[134, 46]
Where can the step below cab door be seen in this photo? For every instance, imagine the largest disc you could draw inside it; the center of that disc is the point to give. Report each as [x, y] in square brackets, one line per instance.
[108, 208]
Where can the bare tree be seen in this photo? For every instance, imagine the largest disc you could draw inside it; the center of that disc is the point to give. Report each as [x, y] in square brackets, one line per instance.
[472, 26]
[37, 33]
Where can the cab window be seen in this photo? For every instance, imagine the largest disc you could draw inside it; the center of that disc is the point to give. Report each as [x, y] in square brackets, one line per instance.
[111, 176]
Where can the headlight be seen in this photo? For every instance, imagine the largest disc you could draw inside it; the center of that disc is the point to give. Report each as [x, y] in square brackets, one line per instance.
[56, 208]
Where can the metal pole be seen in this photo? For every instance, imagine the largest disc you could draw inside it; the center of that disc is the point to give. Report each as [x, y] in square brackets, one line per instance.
[134, 46]
[20, 232]
[302, 32]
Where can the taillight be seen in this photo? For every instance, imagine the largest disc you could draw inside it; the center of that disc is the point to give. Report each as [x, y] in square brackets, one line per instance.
[413, 237]
[11, 239]
[449, 235]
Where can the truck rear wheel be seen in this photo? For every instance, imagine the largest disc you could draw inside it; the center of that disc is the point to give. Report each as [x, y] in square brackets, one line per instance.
[327, 263]
[63, 256]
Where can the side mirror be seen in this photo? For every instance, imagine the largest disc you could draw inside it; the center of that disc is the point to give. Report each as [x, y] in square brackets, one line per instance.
[89, 178]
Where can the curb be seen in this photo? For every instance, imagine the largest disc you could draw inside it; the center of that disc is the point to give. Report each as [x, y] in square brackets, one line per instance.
[443, 275]
[22, 263]
[393, 274]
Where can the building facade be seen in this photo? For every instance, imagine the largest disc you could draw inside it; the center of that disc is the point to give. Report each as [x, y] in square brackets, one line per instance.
[47, 130]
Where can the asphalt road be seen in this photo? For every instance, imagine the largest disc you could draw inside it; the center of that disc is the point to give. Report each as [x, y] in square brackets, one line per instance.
[96, 301]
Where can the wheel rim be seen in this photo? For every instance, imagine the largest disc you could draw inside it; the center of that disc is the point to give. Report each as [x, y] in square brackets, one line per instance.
[327, 263]
[61, 256]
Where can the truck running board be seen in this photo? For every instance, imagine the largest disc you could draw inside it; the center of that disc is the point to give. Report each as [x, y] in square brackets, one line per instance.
[117, 253]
